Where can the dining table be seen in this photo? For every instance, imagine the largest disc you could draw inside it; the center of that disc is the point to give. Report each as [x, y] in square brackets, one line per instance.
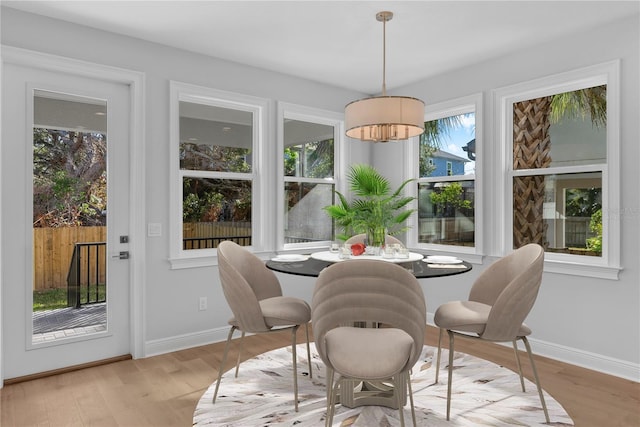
[422, 267]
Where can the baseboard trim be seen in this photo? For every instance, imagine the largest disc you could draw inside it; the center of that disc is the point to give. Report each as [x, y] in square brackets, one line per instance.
[584, 359]
[182, 342]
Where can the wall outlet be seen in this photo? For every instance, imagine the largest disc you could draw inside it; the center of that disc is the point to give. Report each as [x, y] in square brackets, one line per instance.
[203, 303]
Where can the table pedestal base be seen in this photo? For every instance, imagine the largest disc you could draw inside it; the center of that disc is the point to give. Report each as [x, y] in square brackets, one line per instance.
[354, 393]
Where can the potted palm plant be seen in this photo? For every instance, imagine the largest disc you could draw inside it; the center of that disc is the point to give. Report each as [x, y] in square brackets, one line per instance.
[375, 209]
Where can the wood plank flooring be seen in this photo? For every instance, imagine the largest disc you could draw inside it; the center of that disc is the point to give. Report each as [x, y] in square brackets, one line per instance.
[163, 390]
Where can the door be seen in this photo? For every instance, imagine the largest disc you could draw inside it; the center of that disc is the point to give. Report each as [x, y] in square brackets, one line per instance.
[59, 130]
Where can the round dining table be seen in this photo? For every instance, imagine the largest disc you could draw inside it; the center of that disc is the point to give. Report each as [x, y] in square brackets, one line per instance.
[311, 265]
[421, 267]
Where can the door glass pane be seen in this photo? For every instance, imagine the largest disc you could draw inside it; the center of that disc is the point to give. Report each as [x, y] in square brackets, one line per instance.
[69, 216]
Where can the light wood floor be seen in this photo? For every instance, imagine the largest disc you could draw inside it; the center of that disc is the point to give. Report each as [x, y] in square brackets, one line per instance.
[163, 390]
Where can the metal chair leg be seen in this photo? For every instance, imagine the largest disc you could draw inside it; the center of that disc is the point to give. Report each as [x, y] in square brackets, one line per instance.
[396, 391]
[306, 328]
[332, 390]
[439, 352]
[413, 408]
[295, 366]
[239, 353]
[515, 350]
[224, 359]
[535, 375]
[450, 373]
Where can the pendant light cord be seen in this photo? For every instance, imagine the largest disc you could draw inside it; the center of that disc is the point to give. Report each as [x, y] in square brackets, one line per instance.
[384, 57]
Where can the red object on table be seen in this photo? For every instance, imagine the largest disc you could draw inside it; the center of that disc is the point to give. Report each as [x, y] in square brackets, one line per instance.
[357, 249]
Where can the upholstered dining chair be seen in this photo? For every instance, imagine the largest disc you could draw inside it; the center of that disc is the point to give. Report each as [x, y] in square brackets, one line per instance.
[368, 292]
[499, 301]
[360, 238]
[254, 295]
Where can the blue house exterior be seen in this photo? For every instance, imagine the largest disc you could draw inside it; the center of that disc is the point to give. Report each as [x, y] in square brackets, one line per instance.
[447, 164]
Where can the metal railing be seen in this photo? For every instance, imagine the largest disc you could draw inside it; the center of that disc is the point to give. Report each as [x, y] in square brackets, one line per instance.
[213, 242]
[87, 274]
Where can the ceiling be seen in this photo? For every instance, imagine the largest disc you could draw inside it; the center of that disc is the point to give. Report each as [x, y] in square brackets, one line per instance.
[340, 42]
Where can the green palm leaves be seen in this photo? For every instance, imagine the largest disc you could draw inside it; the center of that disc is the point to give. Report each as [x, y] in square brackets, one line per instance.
[375, 206]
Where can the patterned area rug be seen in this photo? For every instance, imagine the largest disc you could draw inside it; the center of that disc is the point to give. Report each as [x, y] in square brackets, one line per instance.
[483, 394]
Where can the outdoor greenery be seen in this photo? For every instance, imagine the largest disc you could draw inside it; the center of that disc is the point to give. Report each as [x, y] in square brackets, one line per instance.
[376, 210]
[448, 199]
[51, 299]
[69, 178]
[211, 200]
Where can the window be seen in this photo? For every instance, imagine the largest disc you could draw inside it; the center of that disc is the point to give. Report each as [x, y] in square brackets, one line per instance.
[562, 146]
[446, 185]
[216, 162]
[310, 141]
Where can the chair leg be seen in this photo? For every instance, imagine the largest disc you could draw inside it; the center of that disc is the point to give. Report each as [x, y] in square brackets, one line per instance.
[306, 328]
[224, 359]
[439, 352]
[413, 408]
[332, 391]
[535, 375]
[294, 330]
[515, 350]
[450, 373]
[239, 353]
[397, 392]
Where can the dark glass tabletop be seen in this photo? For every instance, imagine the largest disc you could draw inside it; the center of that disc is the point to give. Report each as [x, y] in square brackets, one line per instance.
[312, 268]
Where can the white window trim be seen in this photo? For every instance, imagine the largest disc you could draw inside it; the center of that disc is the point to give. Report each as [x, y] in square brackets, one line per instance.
[260, 205]
[340, 161]
[607, 266]
[449, 108]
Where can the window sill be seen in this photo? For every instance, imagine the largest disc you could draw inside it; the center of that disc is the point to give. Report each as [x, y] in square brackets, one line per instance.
[579, 269]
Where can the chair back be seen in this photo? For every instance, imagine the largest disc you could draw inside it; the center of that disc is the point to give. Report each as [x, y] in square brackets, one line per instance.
[510, 286]
[245, 282]
[368, 291]
[360, 238]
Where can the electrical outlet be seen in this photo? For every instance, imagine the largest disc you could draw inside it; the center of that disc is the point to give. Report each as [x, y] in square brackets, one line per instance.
[203, 303]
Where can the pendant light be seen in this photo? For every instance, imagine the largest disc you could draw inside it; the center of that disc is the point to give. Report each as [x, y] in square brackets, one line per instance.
[384, 118]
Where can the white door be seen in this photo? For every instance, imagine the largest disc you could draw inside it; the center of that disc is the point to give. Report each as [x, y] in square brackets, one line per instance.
[74, 107]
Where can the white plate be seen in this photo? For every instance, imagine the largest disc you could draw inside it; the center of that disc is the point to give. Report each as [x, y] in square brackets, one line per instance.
[441, 259]
[290, 258]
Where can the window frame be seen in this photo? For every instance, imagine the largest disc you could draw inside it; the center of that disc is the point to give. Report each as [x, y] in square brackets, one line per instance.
[291, 111]
[472, 103]
[608, 265]
[260, 204]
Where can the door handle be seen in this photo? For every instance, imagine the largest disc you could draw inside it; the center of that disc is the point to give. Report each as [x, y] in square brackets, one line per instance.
[122, 255]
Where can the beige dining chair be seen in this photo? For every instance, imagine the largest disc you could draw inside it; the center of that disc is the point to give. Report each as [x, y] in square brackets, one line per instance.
[360, 238]
[254, 295]
[499, 301]
[367, 292]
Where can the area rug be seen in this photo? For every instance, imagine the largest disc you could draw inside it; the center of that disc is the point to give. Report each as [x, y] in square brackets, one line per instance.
[483, 394]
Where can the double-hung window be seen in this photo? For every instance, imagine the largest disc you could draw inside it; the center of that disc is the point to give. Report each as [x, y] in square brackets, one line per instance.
[446, 162]
[560, 136]
[310, 142]
[215, 163]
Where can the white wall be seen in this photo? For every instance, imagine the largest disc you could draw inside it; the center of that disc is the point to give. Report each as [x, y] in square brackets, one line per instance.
[587, 321]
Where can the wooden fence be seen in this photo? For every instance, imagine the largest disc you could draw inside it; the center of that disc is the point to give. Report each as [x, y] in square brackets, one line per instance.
[53, 249]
